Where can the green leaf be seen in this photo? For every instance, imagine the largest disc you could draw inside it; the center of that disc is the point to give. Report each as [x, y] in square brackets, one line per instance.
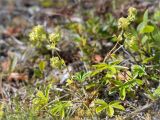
[100, 108]
[40, 100]
[37, 73]
[145, 16]
[147, 29]
[139, 82]
[54, 110]
[42, 65]
[116, 104]
[120, 67]
[68, 104]
[99, 68]
[60, 107]
[101, 102]
[144, 39]
[48, 90]
[147, 60]
[112, 103]
[81, 76]
[1, 110]
[62, 113]
[157, 15]
[138, 70]
[119, 107]
[117, 82]
[90, 85]
[141, 26]
[100, 65]
[122, 93]
[40, 94]
[126, 84]
[157, 92]
[110, 111]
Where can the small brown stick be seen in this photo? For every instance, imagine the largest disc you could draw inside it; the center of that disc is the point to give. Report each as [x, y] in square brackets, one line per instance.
[110, 52]
[114, 48]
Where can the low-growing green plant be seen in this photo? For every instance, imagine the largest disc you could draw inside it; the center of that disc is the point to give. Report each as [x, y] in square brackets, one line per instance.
[108, 107]
[137, 43]
[81, 76]
[89, 93]
[42, 98]
[61, 108]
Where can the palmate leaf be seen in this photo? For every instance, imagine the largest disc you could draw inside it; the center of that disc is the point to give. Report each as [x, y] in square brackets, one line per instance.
[138, 70]
[125, 86]
[112, 68]
[101, 105]
[81, 76]
[112, 105]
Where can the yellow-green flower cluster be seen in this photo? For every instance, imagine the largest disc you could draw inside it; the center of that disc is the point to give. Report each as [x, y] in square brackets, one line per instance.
[123, 23]
[53, 40]
[131, 41]
[56, 62]
[132, 12]
[38, 34]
